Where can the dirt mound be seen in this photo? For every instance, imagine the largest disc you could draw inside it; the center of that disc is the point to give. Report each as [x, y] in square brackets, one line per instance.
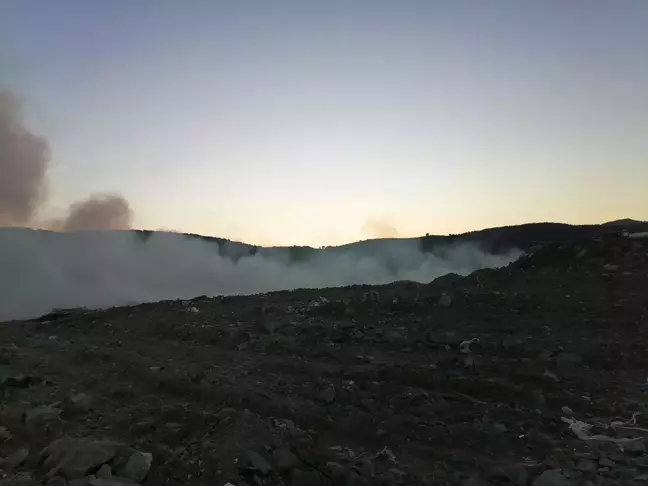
[530, 374]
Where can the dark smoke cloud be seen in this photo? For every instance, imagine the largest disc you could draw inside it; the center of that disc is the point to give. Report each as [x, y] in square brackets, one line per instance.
[99, 212]
[24, 158]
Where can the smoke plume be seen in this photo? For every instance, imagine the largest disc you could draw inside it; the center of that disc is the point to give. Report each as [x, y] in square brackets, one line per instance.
[43, 270]
[379, 228]
[99, 212]
[24, 158]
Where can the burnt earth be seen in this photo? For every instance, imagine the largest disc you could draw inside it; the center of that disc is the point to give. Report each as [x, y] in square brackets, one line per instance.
[462, 381]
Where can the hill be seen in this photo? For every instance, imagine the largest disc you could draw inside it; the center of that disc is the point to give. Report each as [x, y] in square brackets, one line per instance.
[42, 270]
[532, 374]
[496, 240]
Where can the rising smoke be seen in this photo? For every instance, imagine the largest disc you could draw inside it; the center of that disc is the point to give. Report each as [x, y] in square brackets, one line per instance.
[24, 162]
[42, 270]
[45, 270]
[99, 212]
[379, 228]
[24, 158]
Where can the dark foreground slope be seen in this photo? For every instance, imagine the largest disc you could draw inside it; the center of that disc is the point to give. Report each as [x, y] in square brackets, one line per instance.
[357, 386]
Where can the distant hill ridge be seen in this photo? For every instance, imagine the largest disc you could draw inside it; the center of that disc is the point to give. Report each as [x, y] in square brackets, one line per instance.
[492, 240]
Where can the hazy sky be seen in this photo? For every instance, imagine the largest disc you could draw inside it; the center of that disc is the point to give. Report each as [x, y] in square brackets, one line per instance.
[324, 121]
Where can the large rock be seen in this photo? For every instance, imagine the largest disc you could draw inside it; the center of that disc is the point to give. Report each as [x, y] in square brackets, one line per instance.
[15, 459]
[515, 474]
[284, 460]
[255, 462]
[41, 414]
[137, 466]
[112, 481]
[75, 458]
[552, 477]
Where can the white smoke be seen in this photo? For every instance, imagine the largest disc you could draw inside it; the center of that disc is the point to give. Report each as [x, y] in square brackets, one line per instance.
[41, 270]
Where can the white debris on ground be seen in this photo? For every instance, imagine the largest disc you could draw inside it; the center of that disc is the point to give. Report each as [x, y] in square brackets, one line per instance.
[465, 345]
[583, 431]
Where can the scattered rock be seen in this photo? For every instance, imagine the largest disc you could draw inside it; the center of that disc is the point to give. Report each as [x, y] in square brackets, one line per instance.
[255, 462]
[516, 474]
[5, 435]
[113, 481]
[77, 403]
[43, 413]
[551, 376]
[627, 472]
[16, 459]
[367, 469]
[464, 346]
[18, 479]
[393, 336]
[386, 454]
[306, 478]
[397, 474]
[104, 472]
[76, 458]
[586, 466]
[143, 426]
[552, 477]
[537, 399]
[81, 400]
[267, 325]
[443, 339]
[57, 481]
[19, 380]
[137, 466]
[81, 481]
[327, 394]
[636, 447]
[512, 342]
[445, 300]
[605, 461]
[474, 481]
[226, 412]
[566, 410]
[284, 460]
[337, 472]
[371, 296]
[567, 361]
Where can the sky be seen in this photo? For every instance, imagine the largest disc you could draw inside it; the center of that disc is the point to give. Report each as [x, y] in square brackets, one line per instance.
[289, 122]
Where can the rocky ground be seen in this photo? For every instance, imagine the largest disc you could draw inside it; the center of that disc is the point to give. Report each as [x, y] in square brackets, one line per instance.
[532, 374]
